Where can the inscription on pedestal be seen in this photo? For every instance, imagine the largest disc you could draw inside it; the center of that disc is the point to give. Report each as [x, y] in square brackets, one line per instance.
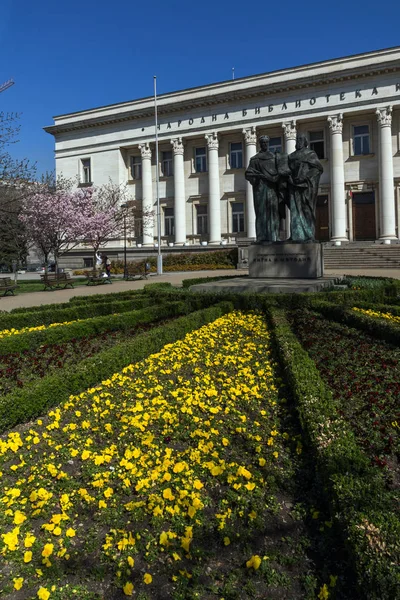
[286, 260]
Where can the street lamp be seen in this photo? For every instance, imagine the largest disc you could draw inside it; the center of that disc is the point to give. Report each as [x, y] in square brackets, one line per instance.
[125, 207]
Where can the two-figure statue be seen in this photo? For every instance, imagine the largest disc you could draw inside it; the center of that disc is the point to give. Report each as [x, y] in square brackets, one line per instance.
[280, 181]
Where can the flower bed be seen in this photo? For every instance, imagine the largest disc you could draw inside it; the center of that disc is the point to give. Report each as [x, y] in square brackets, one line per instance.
[162, 480]
[380, 314]
[364, 376]
[21, 368]
[355, 490]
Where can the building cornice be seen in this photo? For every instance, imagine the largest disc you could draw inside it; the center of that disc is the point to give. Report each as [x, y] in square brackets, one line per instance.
[354, 68]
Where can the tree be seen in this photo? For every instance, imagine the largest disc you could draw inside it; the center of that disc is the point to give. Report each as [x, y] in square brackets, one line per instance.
[16, 181]
[54, 218]
[103, 212]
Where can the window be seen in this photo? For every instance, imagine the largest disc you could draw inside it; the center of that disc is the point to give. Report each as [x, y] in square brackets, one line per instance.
[86, 170]
[275, 144]
[236, 155]
[317, 143]
[361, 143]
[200, 160]
[202, 219]
[166, 165]
[138, 227]
[237, 217]
[136, 167]
[87, 263]
[169, 221]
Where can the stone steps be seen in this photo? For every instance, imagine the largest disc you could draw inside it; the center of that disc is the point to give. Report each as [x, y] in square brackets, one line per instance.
[364, 257]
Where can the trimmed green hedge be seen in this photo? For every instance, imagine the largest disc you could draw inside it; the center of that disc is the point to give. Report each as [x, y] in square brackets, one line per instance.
[355, 490]
[63, 333]
[76, 300]
[34, 399]
[377, 327]
[73, 313]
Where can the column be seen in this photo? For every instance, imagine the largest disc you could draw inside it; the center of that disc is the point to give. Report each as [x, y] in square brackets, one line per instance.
[250, 140]
[147, 196]
[386, 183]
[214, 203]
[289, 134]
[179, 193]
[338, 194]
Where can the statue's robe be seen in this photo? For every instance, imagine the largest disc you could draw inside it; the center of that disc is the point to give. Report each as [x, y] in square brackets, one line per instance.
[263, 176]
[303, 182]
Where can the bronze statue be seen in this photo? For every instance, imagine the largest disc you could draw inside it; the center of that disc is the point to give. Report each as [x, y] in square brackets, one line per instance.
[279, 180]
[263, 176]
[305, 172]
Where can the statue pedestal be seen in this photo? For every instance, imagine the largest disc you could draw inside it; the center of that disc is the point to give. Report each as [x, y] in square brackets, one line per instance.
[286, 260]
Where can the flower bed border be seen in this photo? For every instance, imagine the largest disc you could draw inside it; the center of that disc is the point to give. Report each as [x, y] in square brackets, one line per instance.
[355, 490]
[71, 313]
[375, 326]
[69, 331]
[31, 401]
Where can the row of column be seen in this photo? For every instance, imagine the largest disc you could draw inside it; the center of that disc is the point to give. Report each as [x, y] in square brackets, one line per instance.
[214, 210]
[338, 195]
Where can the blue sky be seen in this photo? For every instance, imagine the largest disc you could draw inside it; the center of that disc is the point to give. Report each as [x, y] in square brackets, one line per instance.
[68, 55]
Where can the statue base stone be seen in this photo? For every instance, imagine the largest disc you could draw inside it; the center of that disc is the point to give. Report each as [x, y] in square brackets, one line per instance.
[286, 260]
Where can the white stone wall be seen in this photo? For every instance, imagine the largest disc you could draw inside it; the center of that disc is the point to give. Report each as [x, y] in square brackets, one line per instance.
[348, 90]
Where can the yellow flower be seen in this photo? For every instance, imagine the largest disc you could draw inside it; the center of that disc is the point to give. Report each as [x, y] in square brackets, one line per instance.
[147, 578]
[168, 495]
[332, 580]
[70, 532]
[19, 517]
[131, 561]
[43, 593]
[254, 562]
[85, 455]
[128, 589]
[18, 581]
[27, 556]
[323, 593]
[47, 550]
[197, 484]
[227, 541]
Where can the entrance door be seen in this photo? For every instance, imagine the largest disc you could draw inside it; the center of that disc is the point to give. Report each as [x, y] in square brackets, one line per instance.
[364, 225]
[322, 219]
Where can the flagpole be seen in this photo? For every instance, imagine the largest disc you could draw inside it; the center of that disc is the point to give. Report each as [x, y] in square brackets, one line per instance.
[159, 255]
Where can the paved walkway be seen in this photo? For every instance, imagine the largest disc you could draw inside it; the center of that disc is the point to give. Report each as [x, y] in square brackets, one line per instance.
[59, 296]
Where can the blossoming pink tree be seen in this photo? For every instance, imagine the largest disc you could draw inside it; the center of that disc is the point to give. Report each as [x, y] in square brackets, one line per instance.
[103, 212]
[55, 220]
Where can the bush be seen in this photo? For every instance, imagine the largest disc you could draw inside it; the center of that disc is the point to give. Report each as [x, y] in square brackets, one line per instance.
[187, 261]
[377, 327]
[71, 313]
[355, 490]
[124, 321]
[34, 399]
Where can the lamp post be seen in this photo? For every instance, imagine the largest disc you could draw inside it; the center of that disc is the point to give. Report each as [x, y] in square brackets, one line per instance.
[159, 255]
[125, 207]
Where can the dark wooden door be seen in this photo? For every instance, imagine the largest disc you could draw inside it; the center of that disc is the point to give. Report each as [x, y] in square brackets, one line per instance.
[364, 224]
[322, 219]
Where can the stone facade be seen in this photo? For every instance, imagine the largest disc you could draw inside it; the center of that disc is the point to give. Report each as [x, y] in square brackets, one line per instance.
[348, 107]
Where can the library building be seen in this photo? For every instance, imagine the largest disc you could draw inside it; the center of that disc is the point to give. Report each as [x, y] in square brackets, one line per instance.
[349, 109]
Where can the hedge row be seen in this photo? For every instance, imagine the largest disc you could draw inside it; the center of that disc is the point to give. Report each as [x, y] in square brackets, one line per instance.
[72, 313]
[33, 400]
[379, 328]
[64, 333]
[79, 300]
[356, 491]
